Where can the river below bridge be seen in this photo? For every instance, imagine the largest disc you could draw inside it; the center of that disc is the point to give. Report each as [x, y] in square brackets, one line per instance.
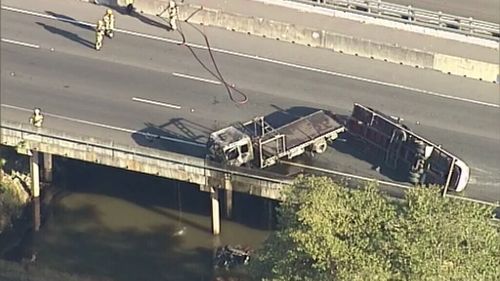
[110, 224]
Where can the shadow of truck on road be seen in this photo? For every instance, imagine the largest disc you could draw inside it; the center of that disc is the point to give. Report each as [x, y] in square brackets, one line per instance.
[182, 136]
[178, 135]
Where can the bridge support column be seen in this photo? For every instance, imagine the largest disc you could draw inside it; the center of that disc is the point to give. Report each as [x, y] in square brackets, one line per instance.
[228, 186]
[214, 196]
[35, 174]
[36, 213]
[47, 167]
[269, 214]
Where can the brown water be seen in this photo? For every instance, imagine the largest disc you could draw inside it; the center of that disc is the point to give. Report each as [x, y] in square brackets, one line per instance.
[117, 225]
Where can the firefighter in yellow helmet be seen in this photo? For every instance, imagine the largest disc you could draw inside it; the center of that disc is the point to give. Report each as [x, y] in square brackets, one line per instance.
[173, 12]
[109, 23]
[37, 118]
[99, 34]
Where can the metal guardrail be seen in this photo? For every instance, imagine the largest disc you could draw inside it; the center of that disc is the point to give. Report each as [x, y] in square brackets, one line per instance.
[411, 15]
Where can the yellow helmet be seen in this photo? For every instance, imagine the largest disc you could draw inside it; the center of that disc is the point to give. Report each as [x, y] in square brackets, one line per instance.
[109, 12]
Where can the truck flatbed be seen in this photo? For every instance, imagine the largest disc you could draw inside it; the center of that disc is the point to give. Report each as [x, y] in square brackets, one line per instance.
[305, 129]
[259, 143]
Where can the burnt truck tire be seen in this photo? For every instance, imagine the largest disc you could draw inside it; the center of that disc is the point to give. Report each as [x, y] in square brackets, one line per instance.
[414, 178]
[320, 146]
[420, 147]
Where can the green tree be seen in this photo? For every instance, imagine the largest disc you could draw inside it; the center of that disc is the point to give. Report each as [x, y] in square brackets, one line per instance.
[328, 232]
[437, 238]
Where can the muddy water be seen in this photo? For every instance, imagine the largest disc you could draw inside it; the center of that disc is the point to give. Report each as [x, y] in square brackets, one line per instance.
[117, 225]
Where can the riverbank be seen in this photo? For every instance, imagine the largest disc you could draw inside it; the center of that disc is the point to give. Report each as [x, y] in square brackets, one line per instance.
[11, 271]
[15, 225]
[14, 195]
[103, 223]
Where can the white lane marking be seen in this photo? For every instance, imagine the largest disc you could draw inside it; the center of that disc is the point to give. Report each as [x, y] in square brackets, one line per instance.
[345, 174]
[313, 69]
[146, 135]
[21, 11]
[20, 43]
[298, 66]
[174, 106]
[195, 78]
[382, 182]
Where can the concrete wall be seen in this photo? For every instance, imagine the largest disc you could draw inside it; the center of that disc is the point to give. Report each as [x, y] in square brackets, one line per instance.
[467, 67]
[324, 39]
[149, 161]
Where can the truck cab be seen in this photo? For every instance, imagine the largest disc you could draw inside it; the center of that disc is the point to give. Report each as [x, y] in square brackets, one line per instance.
[259, 144]
[230, 146]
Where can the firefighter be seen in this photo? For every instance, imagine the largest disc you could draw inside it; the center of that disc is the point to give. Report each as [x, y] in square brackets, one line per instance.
[173, 14]
[37, 118]
[109, 23]
[99, 34]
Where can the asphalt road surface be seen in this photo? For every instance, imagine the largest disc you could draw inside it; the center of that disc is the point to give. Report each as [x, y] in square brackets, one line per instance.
[118, 86]
[486, 10]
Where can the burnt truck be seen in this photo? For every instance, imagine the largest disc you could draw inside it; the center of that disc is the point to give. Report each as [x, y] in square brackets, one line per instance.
[423, 161]
[257, 144]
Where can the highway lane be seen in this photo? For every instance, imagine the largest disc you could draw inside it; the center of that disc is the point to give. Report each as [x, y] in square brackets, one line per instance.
[321, 60]
[487, 10]
[76, 81]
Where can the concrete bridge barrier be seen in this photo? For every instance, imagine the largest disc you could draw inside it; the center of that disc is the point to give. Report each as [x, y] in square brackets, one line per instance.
[467, 67]
[321, 38]
[211, 177]
[145, 160]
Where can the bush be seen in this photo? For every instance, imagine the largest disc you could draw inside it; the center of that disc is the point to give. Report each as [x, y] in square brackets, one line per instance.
[328, 232]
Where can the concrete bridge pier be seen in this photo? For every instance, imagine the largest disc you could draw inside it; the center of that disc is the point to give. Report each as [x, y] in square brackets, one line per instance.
[35, 174]
[35, 188]
[47, 167]
[228, 186]
[36, 213]
[214, 196]
[270, 209]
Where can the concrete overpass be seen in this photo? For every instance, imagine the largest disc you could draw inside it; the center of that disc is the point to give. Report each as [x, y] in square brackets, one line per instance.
[209, 176]
[94, 94]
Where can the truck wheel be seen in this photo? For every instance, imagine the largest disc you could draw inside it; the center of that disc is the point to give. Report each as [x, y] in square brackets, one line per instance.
[414, 178]
[420, 147]
[320, 146]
